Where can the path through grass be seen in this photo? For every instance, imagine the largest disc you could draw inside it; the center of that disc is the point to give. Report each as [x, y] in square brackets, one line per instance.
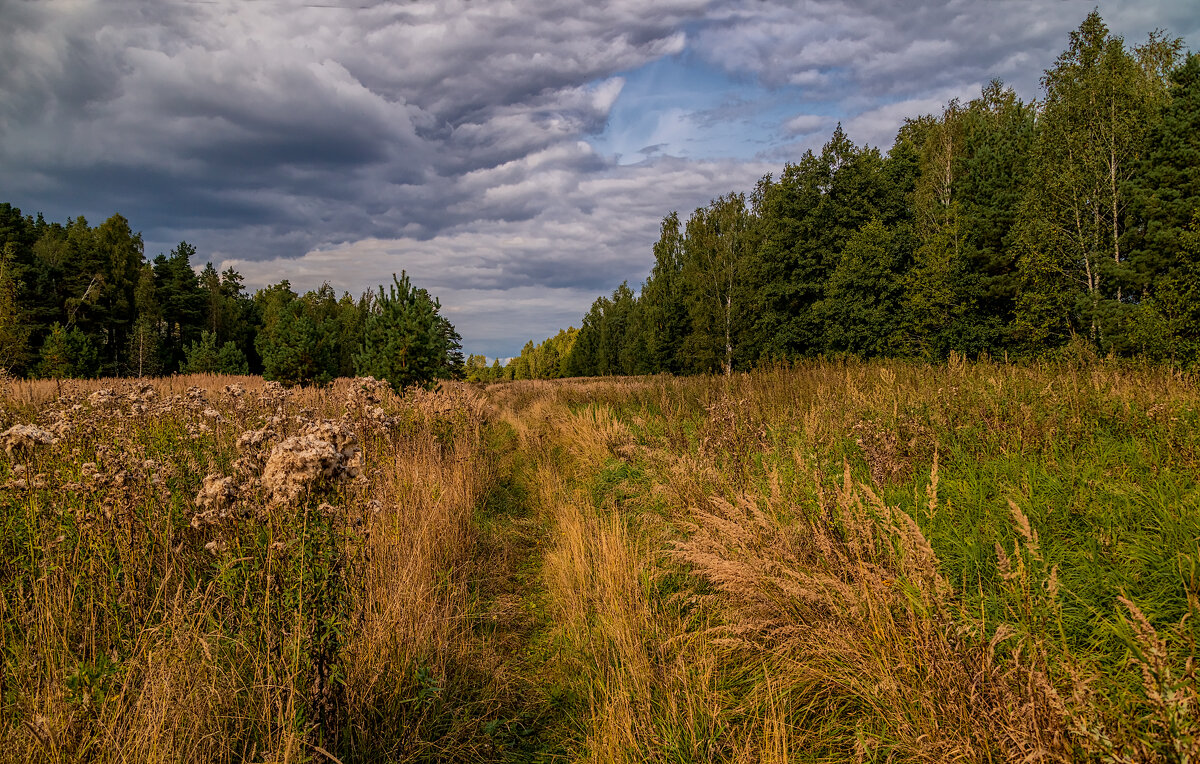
[533, 721]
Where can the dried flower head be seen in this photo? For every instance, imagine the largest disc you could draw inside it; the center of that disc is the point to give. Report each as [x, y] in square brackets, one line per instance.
[325, 450]
[214, 502]
[24, 438]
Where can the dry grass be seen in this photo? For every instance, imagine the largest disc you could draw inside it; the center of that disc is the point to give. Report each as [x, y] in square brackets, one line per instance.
[216, 569]
[881, 562]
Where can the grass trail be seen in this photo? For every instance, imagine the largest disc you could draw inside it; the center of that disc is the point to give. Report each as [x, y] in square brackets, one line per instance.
[773, 568]
[532, 724]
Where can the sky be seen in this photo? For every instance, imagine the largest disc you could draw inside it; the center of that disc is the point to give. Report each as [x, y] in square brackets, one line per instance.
[514, 157]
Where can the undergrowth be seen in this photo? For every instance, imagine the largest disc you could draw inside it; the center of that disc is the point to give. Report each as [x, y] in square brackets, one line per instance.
[218, 569]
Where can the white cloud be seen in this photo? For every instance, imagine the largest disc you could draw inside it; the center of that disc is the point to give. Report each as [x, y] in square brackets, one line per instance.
[806, 124]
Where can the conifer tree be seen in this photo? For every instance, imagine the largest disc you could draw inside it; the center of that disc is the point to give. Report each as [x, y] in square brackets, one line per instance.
[204, 356]
[405, 340]
[1165, 189]
[68, 354]
[14, 333]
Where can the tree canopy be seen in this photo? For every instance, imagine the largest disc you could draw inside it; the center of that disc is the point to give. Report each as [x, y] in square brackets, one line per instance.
[995, 227]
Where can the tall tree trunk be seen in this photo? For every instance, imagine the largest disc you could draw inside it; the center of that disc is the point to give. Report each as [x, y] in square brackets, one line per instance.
[728, 341]
[1112, 180]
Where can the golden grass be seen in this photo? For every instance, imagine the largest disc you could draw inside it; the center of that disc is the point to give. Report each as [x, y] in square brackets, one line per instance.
[725, 599]
[249, 625]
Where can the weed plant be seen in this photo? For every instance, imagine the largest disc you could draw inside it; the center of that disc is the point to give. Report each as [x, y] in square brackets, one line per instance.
[218, 569]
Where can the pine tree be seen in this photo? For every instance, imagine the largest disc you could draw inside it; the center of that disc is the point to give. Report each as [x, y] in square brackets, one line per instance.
[181, 301]
[68, 354]
[205, 357]
[296, 342]
[14, 332]
[405, 340]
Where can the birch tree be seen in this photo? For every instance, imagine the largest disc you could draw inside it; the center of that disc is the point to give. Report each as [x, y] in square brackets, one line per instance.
[718, 240]
[1100, 100]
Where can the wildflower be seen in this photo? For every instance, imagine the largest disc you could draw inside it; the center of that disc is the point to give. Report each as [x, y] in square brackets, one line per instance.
[102, 398]
[24, 438]
[215, 500]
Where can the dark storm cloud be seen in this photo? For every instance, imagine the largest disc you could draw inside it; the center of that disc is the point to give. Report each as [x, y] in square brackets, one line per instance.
[448, 136]
[300, 116]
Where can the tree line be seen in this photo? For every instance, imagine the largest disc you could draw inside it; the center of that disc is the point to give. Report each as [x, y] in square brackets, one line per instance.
[83, 301]
[1069, 224]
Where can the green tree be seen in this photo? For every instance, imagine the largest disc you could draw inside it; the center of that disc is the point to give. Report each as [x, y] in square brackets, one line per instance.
[584, 358]
[143, 352]
[860, 308]
[405, 339]
[181, 302]
[521, 368]
[1166, 324]
[476, 368]
[615, 331]
[1100, 99]
[296, 340]
[205, 357]
[1164, 190]
[991, 175]
[805, 219]
[68, 354]
[14, 332]
[663, 307]
[120, 255]
[719, 240]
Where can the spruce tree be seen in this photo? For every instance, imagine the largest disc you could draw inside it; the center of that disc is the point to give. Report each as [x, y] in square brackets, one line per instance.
[1165, 190]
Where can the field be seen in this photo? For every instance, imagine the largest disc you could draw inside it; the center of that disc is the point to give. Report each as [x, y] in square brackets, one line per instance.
[835, 562]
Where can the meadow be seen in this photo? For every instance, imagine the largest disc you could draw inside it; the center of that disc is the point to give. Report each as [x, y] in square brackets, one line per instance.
[831, 562]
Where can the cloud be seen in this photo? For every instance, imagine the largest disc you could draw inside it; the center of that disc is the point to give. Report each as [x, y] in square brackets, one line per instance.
[345, 121]
[877, 126]
[582, 235]
[806, 124]
[454, 137]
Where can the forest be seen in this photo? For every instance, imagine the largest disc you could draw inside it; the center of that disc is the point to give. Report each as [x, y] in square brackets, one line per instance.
[1066, 225]
[78, 301]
